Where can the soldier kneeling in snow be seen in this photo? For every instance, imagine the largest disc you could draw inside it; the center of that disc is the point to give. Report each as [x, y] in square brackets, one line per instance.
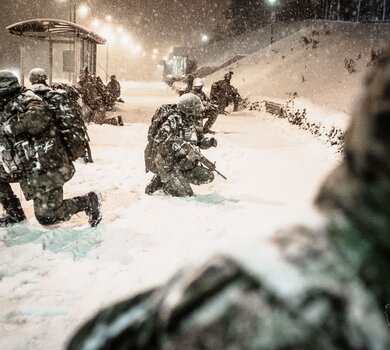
[172, 152]
[324, 287]
[33, 154]
[94, 97]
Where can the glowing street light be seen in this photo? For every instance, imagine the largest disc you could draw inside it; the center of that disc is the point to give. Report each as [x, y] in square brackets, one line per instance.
[125, 39]
[83, 10]
[155, 51]
[136, 48]
[108, 18]
[95, 23]
[107, 33]
[204, 38]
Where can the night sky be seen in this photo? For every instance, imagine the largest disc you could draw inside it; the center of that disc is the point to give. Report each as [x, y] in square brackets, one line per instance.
[152, 23]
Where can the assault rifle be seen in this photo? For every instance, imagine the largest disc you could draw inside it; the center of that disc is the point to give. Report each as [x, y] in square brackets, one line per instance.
[190, 148]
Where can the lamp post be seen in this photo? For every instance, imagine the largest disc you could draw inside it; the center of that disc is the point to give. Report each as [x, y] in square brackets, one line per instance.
[272, 3]
[107, 63]
[73, 11]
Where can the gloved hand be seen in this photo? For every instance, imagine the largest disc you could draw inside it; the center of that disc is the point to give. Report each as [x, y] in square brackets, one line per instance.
[206, 142]
[189, 162]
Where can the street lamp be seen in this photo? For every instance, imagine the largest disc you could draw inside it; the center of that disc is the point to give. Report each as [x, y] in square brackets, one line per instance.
[83, 10]
[95, 23]
[272, 3]
[204, 38]
[108, 34]
[72, 9]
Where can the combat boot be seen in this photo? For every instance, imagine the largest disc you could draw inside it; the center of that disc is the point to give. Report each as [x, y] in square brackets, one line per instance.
[154, 185]
[120, 120]
[13, 213]
[90, 204]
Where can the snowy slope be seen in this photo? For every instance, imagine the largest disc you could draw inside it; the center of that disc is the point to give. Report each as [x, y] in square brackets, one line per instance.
[315, 74]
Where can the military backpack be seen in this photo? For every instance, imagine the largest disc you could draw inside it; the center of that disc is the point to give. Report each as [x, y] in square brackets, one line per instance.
[68, 122]
[158, 119]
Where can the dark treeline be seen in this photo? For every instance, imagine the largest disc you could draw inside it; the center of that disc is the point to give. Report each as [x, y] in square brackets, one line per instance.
[244, 15]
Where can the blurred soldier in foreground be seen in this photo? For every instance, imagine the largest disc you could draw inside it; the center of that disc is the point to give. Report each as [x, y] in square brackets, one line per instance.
[113, 91]
[33, 153]
[323, 288]
[210, 112]
[172, 152]
[223, 93]
[95, 100]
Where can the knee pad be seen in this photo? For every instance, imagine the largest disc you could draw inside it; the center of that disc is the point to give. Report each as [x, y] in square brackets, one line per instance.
[178, 188]
[45, 220]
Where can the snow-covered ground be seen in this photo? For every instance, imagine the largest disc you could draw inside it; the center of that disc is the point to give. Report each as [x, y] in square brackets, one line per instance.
[53, 279]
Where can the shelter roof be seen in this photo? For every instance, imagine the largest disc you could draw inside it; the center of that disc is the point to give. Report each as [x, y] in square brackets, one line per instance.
[49, 29]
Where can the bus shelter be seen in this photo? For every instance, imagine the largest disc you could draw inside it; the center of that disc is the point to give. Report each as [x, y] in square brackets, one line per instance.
[82, 44]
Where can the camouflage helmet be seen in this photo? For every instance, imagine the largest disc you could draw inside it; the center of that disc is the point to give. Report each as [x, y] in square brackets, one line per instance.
[189, 78]
[190, 104]
[228, 75]
[8, 83]
[198, 82]
[37, 76]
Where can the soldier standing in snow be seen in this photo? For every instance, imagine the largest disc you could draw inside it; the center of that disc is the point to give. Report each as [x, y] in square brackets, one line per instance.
[222, 93]
[113, 91]
[210, 112]
[95, 101]
[172, 152]
[33, 154]
[324, 287]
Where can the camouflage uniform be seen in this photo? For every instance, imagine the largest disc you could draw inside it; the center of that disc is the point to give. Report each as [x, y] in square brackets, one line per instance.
[95, 98]
[38, 160]
[322, 288]
[65, 100]
[210, 113]
[113, 91]
[71, 92]
[223, 93]
[172, 159]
